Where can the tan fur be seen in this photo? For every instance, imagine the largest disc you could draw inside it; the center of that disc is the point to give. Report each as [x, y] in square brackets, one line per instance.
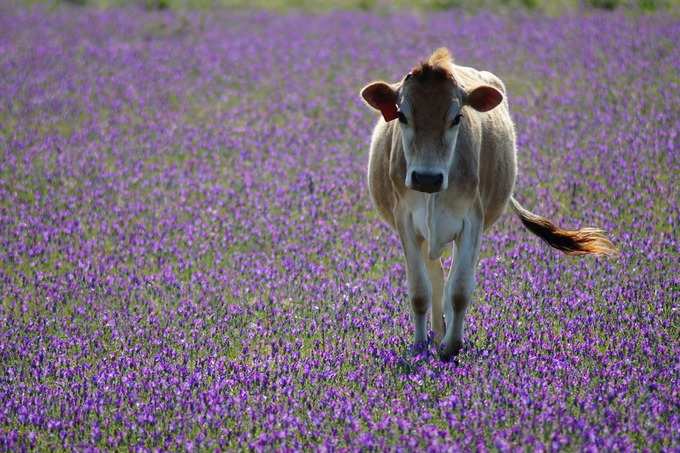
[439, 178]
[571, 242]
[441, 58]
[440, 65]
[488, 153]
[491, 168]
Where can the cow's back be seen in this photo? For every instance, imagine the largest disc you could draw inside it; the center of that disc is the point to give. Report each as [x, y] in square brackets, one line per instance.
[497, 160]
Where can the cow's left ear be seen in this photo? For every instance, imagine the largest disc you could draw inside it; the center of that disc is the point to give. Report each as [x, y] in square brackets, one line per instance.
[381, 96]
[483, 98]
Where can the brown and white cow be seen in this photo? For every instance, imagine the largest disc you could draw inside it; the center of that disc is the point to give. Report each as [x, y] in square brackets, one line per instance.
[444, 172]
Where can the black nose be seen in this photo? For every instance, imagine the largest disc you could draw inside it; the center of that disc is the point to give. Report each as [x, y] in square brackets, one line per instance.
[427, 182]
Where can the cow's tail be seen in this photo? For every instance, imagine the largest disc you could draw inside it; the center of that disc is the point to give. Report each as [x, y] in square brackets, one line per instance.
[585, 241]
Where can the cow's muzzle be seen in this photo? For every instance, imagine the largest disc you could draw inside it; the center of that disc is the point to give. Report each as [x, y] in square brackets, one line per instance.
[427, 182]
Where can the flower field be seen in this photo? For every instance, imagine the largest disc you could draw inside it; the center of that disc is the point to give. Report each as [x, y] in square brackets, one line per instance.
[189, 258]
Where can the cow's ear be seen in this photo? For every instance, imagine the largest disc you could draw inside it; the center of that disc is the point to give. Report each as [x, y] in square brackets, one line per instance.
[381, 96]
[483, 98]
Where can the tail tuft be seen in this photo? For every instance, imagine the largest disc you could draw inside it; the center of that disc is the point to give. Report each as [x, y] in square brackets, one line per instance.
[585, 241]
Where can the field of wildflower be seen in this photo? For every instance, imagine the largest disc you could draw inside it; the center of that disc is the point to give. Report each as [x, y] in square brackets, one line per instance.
[189, 258]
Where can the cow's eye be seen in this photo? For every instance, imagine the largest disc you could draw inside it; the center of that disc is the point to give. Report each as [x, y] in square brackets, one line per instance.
[456, 120]
[402, 118]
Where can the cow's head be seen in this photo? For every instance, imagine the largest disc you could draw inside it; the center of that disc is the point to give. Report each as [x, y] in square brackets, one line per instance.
[428, 103]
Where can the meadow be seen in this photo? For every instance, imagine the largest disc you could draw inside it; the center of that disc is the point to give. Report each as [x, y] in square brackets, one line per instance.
[189, 258]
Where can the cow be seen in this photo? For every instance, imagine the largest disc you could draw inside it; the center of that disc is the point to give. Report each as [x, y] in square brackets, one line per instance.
[442, 167]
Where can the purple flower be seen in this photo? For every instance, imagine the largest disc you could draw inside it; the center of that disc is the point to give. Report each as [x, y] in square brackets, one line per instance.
[189, 258]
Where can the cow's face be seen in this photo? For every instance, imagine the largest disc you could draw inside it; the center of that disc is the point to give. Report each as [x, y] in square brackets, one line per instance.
[429, 115]
[429, 107]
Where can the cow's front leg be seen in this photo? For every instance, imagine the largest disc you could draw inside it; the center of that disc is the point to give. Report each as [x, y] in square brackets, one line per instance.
[419, 286]
[436, 273]
[461, 282]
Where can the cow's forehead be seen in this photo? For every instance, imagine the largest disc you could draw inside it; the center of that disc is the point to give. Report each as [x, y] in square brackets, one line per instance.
[433, 97]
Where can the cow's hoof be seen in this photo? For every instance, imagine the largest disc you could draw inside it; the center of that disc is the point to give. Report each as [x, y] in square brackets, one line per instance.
[449, 352]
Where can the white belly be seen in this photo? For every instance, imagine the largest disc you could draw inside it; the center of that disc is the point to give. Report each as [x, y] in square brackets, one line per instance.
[436, 220]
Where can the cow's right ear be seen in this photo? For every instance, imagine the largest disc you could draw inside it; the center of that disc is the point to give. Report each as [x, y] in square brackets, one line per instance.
[381, 96]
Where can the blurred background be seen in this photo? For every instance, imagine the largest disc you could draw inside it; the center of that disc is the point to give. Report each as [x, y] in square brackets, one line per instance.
[550, 7]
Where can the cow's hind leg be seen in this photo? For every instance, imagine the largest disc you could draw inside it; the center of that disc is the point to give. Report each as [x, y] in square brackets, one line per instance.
[461, 282]
[436, 273]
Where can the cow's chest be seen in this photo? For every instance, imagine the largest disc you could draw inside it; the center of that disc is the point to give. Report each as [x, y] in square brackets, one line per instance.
[437, 219]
